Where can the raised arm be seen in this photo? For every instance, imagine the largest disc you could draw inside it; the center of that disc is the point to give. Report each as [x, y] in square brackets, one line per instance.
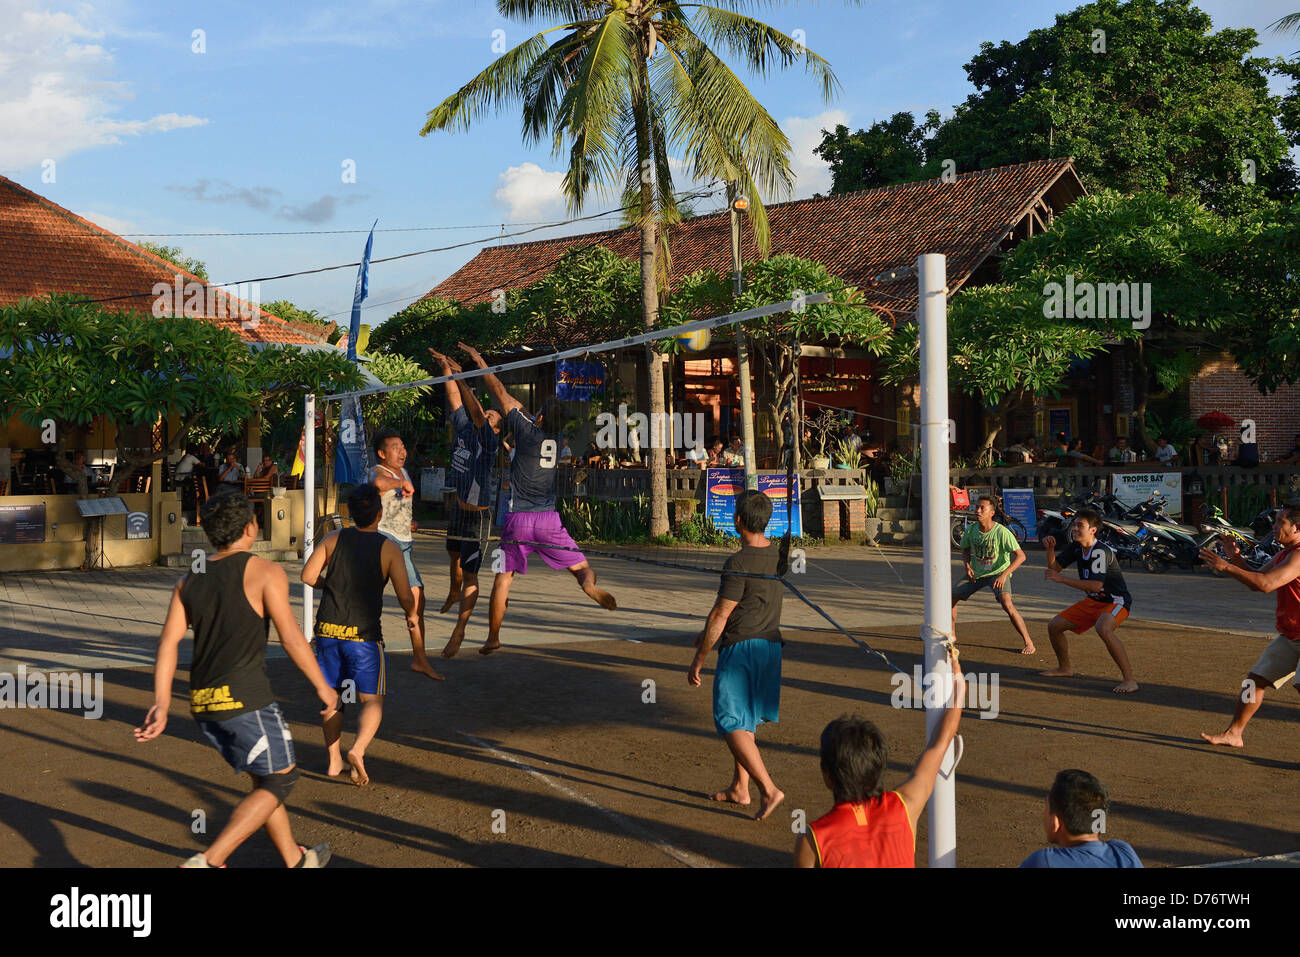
[916, 790]
[1269, 580]
[453, 388]
[505, 401]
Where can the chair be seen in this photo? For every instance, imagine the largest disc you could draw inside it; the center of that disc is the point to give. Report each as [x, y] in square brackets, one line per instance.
[291, 481]
[257, 490]
[4, 486]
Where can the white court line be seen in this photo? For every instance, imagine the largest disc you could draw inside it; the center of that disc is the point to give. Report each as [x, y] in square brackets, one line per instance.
[1271, 859]
[636, 830]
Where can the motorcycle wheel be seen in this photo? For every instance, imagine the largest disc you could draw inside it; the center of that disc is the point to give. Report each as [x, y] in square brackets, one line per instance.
[1152, 563]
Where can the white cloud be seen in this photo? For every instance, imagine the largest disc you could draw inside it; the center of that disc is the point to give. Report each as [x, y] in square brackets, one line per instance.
[812, 175]
[529, 192]
[57, 91]
[111, 223]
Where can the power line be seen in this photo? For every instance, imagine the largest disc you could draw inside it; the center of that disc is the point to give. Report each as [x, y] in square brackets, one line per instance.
[335, 232]
[706, 191]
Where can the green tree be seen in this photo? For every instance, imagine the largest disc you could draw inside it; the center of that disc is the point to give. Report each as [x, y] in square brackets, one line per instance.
[176, 256]
[1142, 94]
[625, 82]
[890, 151]
[72, 360]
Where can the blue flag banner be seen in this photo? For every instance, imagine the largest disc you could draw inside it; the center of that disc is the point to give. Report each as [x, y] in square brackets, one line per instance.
[350, 454]
[359, 294]
[578, 381]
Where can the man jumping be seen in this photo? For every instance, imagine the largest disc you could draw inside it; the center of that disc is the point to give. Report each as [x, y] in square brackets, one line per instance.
[471, 474]
[533, 524]
[1106, 601]
[1279, 661]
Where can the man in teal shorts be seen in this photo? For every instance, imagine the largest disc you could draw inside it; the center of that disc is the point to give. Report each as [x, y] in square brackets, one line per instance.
[746, 625]
[991, 554]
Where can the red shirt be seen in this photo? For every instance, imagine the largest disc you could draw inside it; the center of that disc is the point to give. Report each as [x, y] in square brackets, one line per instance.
[875, 833]
[1288, 599]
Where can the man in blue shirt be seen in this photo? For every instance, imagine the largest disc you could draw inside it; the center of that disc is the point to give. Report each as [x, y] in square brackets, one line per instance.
[1074, 820]
[472, 459]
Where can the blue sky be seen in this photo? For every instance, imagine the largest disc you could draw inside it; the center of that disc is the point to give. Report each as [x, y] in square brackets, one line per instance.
[142, 134]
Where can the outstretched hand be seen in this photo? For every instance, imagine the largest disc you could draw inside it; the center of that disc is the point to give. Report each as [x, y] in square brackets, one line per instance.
[473, 354]
[449, 366]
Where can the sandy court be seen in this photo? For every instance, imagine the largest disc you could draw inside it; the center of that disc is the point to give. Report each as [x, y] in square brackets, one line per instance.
[550, 753]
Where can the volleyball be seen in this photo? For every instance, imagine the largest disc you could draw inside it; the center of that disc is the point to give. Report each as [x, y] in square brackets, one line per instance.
[696, 341]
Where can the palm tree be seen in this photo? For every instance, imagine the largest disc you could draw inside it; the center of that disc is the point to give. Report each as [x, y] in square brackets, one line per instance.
[625, 83]
[1288, 24]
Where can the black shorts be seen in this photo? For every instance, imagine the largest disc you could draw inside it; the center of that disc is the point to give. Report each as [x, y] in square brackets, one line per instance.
[467, 536]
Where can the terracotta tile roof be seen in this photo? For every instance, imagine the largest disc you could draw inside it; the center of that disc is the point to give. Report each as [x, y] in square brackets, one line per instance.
[45, 249]
[856, 236]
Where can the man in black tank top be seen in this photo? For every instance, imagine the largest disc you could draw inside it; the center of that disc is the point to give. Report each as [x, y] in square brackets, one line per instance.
[230, 602]
[348, 632]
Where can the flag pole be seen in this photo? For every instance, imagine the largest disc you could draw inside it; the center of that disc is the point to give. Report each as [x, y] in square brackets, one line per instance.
[308, 504]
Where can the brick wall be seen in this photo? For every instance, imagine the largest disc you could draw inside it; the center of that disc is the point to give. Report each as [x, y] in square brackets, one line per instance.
[1221, 386]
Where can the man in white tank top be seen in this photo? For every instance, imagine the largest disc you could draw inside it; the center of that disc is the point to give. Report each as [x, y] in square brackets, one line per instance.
[398, 524]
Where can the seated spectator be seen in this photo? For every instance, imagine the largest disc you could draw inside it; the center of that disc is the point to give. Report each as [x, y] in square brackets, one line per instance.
[268, 469]
[185, 467]
[81, 468]
[734, 456]
[1019, 453]
[697, 457]
[1166, 454]
[1120, 453]
[1074, 820]
[566, 453]
[1248, 452]
[1075, 455]
[716, 458]
[1292, 457]
[1059, 453]
[231, 473]
[1031, 446]
[851, 437]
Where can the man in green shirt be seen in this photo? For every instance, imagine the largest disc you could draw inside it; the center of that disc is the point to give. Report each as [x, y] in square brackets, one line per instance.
[991, 554]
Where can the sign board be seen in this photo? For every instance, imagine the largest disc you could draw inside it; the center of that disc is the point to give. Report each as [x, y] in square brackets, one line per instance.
[1018, 503]
[138, 525]
[1133, 487]
[578, 381]
[91, 507]
[22, 524]
[723, 485]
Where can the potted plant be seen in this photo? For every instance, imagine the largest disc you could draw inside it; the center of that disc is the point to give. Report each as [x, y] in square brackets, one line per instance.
[872, 503]
[848, 454]
[900, 474]
[821, 427]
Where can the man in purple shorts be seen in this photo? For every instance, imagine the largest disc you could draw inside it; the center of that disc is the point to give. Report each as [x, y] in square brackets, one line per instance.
[533, 524]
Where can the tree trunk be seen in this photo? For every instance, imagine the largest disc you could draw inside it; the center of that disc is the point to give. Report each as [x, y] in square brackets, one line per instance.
[650, 294]
[1140, 400]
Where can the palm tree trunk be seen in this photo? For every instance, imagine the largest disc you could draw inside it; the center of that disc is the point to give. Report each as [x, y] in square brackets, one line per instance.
[650, 301]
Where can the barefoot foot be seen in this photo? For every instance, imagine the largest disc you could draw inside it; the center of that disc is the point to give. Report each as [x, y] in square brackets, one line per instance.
[453, 646]
[422, 666]
[731, 795]
[601, 597]
[1057, 673]
[1226, 739]
[446, 605]
[769, 805]
[336, 767]
[1029, 649]
[359, 776]
[1125, 687]
[490, 646]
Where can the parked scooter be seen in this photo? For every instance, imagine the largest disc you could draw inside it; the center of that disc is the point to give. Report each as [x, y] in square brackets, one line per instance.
[1256, 550]
[1170, 544]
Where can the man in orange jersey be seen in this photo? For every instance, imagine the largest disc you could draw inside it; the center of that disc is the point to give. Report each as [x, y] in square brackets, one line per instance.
[868, 826]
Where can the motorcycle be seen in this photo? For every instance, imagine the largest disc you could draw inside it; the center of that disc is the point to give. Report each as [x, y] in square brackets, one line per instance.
[1170, 544]
[1256, 549]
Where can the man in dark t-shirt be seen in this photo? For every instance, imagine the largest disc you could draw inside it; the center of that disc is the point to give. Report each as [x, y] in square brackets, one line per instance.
[533, 524]
[230, 601]
[745, 624]
[1106, 602]
[470, 522]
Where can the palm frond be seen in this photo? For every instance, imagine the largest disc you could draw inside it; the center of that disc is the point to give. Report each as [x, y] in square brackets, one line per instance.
[1288, 24]
[496, 86]
[525, 10]
[545, 83]
[759, 45]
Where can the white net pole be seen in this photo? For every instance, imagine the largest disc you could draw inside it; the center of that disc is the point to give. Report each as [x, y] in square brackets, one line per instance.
[308, 503]
[932, 316]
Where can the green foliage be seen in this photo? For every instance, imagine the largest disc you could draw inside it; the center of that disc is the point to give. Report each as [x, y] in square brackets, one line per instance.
[847, 454]
[1179, 430]
[72, 360]
[1168, 106]
[872, 501]
[604, 520]
[697, 530]
[176, 256]
[891, 151]
[287, 311]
